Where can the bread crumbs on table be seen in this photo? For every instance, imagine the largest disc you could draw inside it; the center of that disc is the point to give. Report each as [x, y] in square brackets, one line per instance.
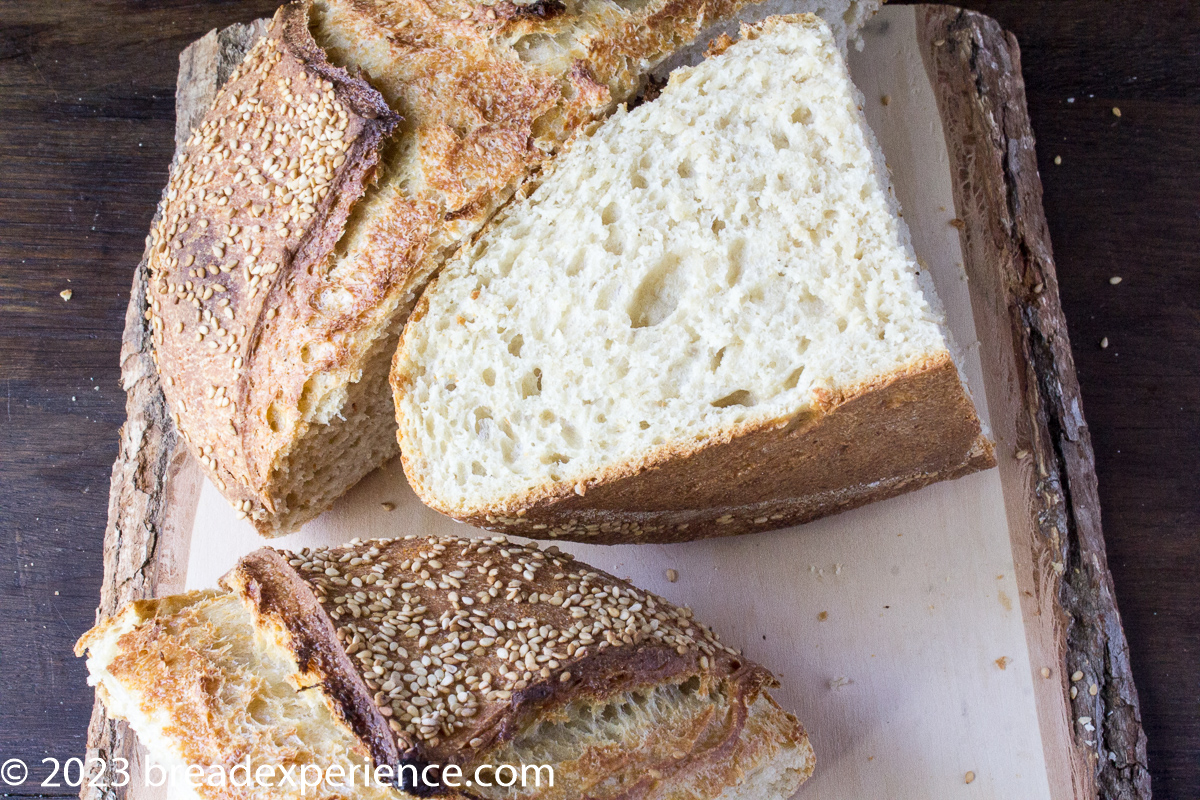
[1104, 343]
[969, 777]
[1002, 662]
[1114, 280]
[66, 294]
[671, 575]
[1116, 111]
[824, 615]
[388, 506]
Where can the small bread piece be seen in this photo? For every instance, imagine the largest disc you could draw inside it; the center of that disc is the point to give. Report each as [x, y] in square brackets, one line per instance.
[707, 320]
[446, 651]
[303, 217]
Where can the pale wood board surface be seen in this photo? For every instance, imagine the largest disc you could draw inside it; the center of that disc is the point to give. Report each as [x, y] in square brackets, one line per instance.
[926, 595]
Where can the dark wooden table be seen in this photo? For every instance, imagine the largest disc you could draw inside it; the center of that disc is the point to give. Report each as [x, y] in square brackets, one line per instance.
[86, 118]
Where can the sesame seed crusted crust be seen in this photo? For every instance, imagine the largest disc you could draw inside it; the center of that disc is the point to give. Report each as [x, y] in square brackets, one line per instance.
[255, 204]
[462, 643]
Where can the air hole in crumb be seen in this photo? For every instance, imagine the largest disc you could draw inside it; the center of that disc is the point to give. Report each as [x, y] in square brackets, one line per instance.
[737, 256]
[657, 295]
[842, 325]
[779, 141]
[794, 378]
[515, 344]
[483, 422]
[644, 425]
[576, 264]
[801, 115]
[569, 435]
[684, 169]
[273, 420]
[615, 242]
[547, 416]
[717, 358]
[742, 397]
[637, 181]
[489, 376]
[531, 384]
[556, 458]
[477, 468]
[610, 214]
[718, 226]
[260, 711]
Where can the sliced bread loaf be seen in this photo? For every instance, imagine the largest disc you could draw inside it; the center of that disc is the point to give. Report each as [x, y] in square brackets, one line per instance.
[358, 145]
[706, 320]
[480, 653]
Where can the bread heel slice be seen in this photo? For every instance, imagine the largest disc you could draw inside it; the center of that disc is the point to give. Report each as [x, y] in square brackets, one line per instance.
[425, 651]
[707, 320]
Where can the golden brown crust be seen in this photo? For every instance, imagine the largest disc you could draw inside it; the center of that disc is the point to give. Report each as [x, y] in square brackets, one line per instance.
[895, 434]
[521, 643]
[256, 202]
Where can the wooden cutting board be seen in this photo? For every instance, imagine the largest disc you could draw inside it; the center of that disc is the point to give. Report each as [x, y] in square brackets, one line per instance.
[962, 634]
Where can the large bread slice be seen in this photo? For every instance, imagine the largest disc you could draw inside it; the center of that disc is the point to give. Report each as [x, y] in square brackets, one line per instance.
[706, 320]
[446, 651]
[357, 146]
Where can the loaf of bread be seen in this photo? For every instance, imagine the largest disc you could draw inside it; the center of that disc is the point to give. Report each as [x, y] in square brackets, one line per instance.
[706, 320]
[445, 651]
[359, 143]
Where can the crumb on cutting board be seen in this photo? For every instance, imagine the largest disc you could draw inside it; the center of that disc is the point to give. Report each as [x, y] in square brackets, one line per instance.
[969, 777]
[388, 506]
[671, 575]
[824, 615]
[1002, 662]
[66, 294]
